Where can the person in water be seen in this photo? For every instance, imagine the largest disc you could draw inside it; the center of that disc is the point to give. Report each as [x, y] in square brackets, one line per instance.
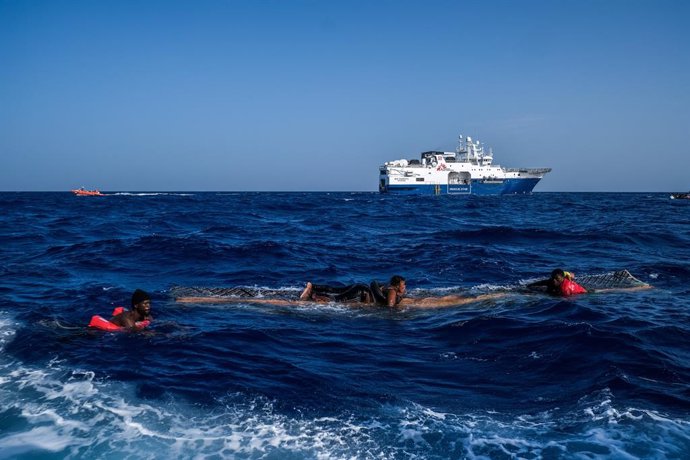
[388, 295]
[561, 283]
[141, 311]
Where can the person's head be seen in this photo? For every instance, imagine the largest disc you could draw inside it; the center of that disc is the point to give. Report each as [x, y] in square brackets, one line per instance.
[557, 276]
[141, 301]
[398, 282]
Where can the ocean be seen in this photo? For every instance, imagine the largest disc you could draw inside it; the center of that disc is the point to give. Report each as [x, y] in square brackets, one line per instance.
[600, 375]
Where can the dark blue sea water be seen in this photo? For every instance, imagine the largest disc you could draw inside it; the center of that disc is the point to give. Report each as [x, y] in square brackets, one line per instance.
[604, 375]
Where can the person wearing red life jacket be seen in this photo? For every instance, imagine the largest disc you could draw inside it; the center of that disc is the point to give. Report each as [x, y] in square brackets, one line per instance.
[561, 283]
[140, 314]
[569, 287]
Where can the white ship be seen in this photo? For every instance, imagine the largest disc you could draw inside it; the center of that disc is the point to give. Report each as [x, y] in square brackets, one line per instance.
[468, 170]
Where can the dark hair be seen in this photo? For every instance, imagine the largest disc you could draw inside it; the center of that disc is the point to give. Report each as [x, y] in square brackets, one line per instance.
[139, 296]
[396, 280]
[556, 273]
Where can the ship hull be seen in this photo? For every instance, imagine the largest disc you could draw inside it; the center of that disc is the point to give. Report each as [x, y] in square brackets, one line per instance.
[476, 187]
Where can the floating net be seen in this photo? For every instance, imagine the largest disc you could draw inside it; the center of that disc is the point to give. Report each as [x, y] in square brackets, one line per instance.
[614, 280]
[236, 291]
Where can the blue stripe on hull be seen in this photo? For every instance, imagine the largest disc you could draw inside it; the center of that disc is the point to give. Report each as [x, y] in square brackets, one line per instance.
[508, 187]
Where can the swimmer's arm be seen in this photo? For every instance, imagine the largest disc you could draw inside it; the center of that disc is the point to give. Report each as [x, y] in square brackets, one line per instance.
[125, 320]
[538, 283]
[120, 320]
[129, 324]
[391, 297]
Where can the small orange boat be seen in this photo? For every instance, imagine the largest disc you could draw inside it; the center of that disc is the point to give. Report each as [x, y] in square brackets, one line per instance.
[82, 192]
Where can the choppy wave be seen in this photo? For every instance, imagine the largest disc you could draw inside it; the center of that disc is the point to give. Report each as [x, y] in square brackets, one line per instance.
[74, 413]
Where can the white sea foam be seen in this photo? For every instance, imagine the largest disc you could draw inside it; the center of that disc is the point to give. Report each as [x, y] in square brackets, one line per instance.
[41, 438]
[8, 328]
[490, 287]
[448, 356]
[252, 429]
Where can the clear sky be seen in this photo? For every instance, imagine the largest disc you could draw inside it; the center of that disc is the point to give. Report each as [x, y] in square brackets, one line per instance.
[315, 95]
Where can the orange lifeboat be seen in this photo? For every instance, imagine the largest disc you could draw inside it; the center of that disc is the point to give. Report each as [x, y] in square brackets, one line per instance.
[82, 192]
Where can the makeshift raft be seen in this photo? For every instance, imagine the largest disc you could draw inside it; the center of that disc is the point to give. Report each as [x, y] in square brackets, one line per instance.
[621, 279]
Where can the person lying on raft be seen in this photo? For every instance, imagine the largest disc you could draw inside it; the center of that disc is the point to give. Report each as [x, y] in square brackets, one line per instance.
[388, 295]
[391, 295]
[561, 283]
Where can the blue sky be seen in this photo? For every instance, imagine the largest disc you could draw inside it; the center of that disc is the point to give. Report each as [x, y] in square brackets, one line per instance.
[315, 95]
